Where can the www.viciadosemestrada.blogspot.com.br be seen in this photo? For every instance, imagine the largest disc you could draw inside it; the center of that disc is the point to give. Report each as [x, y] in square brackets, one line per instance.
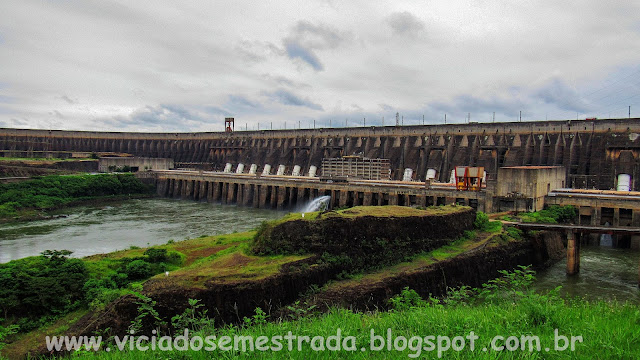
[414, 345]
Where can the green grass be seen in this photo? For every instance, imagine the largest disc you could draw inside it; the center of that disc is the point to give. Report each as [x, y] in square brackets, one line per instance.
[609, 330]
[375, 211]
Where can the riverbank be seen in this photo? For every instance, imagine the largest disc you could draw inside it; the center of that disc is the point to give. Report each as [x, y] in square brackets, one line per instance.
[35, 198]
[29, 167]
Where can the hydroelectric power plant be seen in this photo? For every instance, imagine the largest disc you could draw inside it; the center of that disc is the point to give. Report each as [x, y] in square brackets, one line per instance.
[360, 201]
[592, 164]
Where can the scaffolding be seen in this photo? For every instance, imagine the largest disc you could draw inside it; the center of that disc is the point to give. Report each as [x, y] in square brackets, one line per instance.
[356, 167]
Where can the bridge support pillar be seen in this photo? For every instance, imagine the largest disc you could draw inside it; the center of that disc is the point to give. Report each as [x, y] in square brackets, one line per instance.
[210, 192]
[225, 193]
[573, 254]
[282, 197]
[367, 199]
[344, 197]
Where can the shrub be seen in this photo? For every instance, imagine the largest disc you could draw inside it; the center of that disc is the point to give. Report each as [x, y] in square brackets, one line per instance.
[407, 299]
[482, 220]
[156, 255]
[138, 269]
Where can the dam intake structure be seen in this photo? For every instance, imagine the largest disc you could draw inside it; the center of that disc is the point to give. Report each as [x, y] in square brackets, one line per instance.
[593, 152]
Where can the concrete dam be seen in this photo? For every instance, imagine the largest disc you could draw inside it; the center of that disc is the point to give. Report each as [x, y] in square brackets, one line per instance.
[593, 152]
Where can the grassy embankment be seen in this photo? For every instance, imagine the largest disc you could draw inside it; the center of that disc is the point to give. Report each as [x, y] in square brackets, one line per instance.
[34, 198]
[505, 307]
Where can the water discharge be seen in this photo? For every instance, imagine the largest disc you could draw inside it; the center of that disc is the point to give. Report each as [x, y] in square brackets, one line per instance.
[318, 204]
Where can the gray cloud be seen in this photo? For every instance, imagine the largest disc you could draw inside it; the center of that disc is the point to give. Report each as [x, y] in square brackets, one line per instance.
[67, 99]
[284, 81]
[405, 23]
[564, 97]
[306, 38]
[296, 50]
[287, 98]
[242, 102]
[116, 65]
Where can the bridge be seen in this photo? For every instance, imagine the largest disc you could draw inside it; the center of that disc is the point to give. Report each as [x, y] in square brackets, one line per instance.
[289, 192]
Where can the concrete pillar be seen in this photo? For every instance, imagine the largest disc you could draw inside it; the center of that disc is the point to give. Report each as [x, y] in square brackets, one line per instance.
[274, 197]
[595, 218]
[196, 190]
[282, 197]
[161, 188]
[202, 194]
[216, 191]
[231, 193]
[262, 196]
[169, 192]
[407, 200]
[247, 194]
[573, 254]
[210, 192]
[224, 196]
[335, 197]
[240, 195]
[616, 217]
[393, 199]
[176, 187]
[186, 189]
[635, 242]
[292, 196]
[344, 197]
[256, 196]
[356, 198]
[367, 198]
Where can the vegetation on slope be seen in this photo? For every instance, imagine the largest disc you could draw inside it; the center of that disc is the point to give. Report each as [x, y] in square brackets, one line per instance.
[503, 307]
[27, 198]
[554, 214]
[363, 237]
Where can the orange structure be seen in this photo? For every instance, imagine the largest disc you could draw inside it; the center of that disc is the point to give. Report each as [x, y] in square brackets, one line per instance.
[228, 124]
[469, 178]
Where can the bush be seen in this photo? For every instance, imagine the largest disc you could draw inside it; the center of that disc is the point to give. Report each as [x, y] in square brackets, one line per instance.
[156, 255]
[44, 285]
[482, 220]
[406, 300]
[138, 269]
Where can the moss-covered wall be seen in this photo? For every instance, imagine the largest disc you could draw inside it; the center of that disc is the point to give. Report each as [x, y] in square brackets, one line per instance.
[366, 233]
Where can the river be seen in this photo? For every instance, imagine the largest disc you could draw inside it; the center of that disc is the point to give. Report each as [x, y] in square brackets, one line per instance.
[605, 273]
[88, 230]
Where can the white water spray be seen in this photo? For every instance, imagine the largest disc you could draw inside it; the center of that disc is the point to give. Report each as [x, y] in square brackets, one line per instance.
[318, 204]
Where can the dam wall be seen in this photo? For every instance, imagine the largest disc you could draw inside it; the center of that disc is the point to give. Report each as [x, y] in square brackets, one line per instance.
[593, 152]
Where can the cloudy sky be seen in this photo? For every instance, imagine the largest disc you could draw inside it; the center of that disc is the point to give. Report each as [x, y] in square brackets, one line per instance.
[186, 65]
